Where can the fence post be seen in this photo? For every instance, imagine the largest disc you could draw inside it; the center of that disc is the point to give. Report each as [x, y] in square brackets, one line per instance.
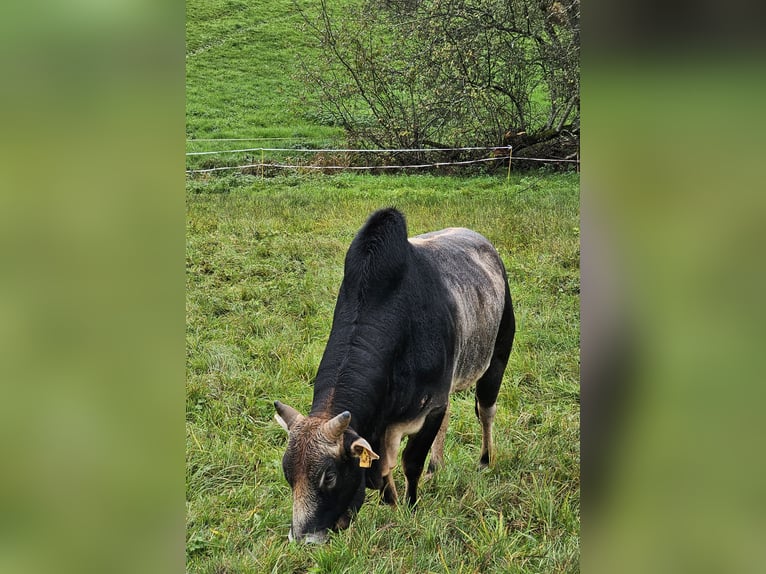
[261, 164]
[510, 154]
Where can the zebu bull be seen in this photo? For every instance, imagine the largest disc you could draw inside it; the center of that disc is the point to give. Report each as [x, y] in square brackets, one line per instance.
[415, 320]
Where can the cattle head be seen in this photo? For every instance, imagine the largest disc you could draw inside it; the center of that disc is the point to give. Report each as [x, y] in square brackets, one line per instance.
[325, 466]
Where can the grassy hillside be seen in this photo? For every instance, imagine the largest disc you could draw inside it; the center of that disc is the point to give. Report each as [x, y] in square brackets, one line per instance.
[240, 66]
[264, 262]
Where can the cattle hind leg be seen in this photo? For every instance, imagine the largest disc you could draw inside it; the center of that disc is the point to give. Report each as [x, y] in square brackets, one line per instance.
[414, 455]
[437, 448]
[488, 386]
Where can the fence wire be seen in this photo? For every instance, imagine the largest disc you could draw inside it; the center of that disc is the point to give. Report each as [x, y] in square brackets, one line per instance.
[506, 152]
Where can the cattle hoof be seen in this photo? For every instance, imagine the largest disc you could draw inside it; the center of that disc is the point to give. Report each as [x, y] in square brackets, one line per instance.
[386, 497]
[343, 522]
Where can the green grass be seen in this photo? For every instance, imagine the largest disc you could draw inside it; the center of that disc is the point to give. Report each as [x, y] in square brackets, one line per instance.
[264, 262]
[241, 64]
[243, 80]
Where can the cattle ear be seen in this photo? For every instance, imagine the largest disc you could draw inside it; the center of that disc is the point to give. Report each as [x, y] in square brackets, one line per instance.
[362, 450]
[286, 415]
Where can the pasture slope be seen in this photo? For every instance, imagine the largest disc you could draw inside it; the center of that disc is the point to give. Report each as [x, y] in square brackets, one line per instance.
[242, 72]
[264, 262]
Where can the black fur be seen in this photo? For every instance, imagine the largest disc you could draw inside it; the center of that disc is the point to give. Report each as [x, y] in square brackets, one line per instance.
[392, 349]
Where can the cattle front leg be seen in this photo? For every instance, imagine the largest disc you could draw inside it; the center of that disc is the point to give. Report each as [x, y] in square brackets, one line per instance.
[414, 456]
[389, 453]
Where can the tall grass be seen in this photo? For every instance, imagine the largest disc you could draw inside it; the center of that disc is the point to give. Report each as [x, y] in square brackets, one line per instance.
[264, 262]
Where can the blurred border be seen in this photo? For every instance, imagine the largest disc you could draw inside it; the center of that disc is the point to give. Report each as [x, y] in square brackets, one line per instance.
[92, 286]
[672, 286]
[92, 300]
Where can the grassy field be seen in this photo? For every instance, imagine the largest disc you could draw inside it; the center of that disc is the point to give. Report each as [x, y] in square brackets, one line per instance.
[241, 72]
[264, 262]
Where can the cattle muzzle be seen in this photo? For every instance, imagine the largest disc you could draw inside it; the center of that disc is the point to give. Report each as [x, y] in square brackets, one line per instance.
[309, 538]
[320, 536]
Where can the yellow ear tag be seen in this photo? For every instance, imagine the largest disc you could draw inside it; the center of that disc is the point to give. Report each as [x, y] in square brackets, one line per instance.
[365, 460]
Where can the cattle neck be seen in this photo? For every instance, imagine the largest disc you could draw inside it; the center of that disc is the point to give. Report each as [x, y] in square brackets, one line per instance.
[361, 403]
[353, 374]
[356, 366]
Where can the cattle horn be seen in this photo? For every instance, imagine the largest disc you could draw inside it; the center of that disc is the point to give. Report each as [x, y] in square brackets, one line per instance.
[336, 426]
[286, 415]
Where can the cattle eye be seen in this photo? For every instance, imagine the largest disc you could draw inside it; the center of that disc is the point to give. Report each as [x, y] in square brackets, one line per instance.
[328, 480]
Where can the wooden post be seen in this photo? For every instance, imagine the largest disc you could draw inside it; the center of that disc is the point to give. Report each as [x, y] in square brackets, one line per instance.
[262, 163]
[510, 153]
